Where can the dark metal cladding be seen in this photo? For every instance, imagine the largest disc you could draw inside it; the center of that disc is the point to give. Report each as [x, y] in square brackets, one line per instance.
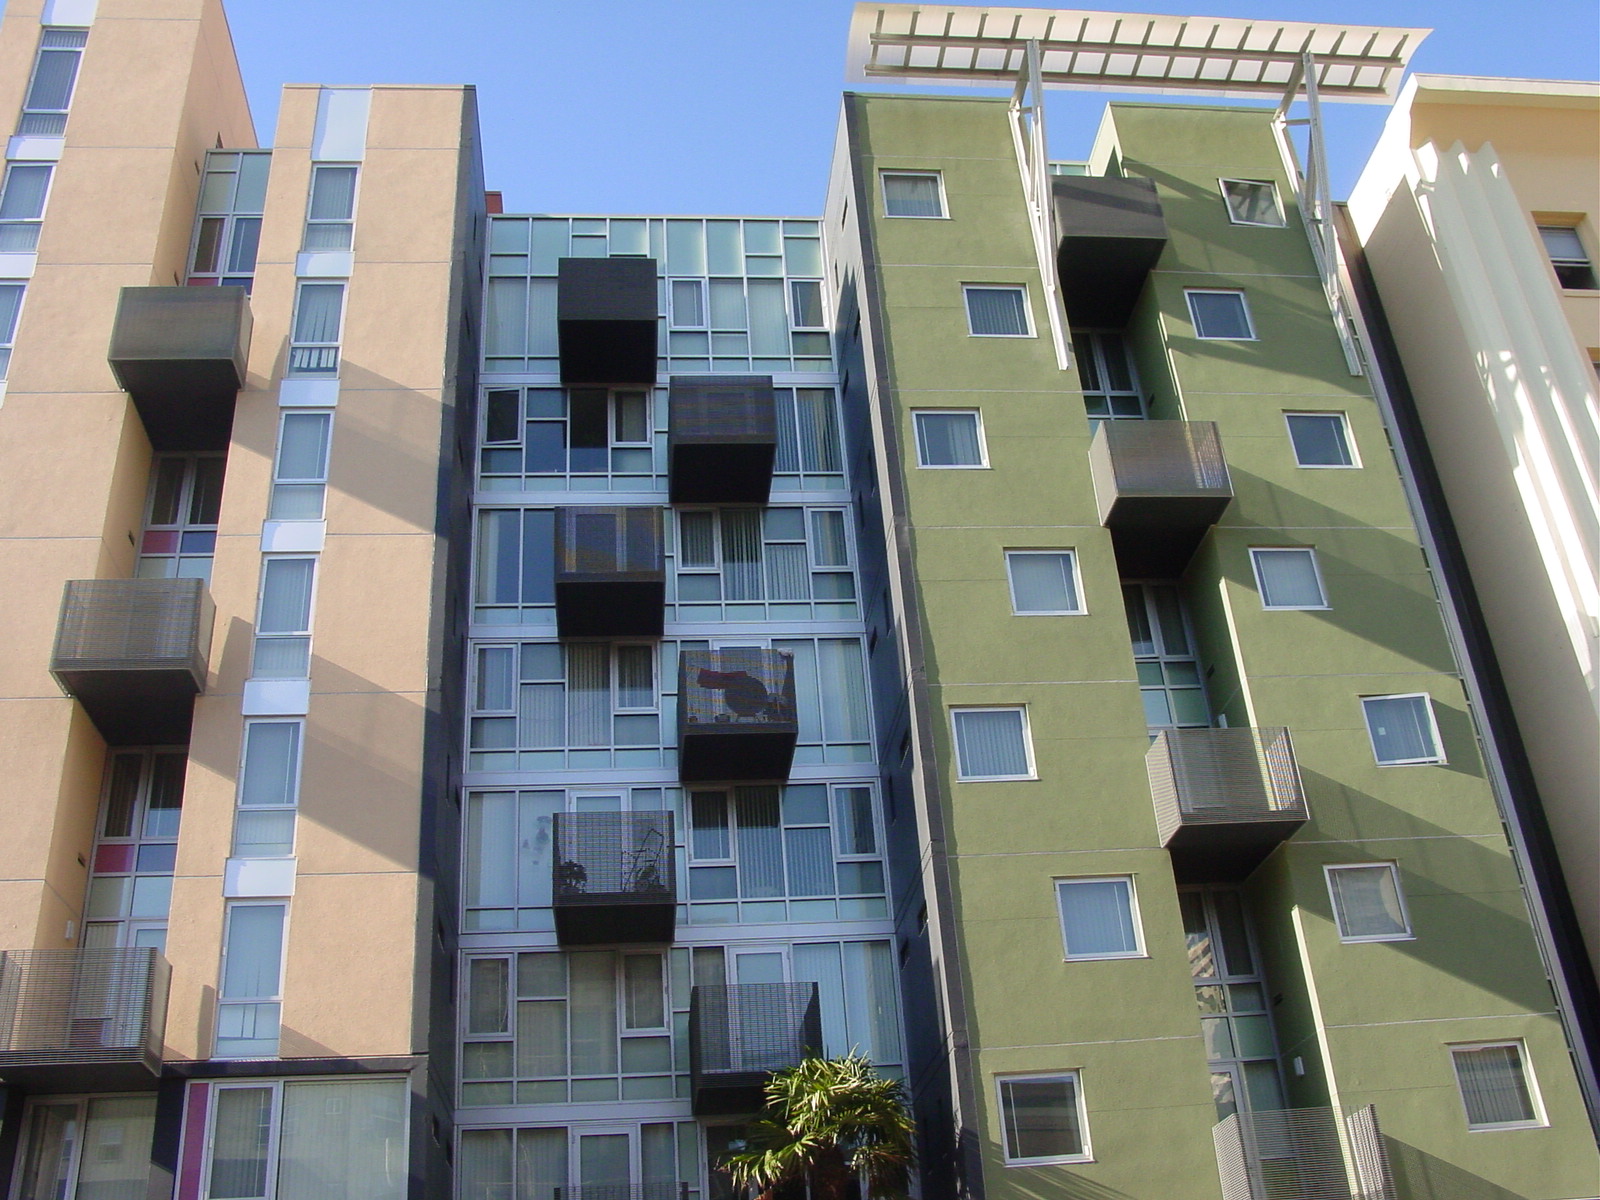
[722, 439]
[739, 1034]
[606, 320]
[611, 574]
[613, 878]
[1112, 232]
[737, 715]
[1160, 486]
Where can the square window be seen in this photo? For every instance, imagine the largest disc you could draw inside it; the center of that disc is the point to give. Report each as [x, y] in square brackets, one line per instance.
[1568, 257]
[1252, 202]
[1099, 918]
[1288, 578]
[1320, 439]
[912, 194]
[1366, 902]
[1220, 315]
[997, 311]
[1043, 582]
[1496, 1085]
[992, 743]
[1043, 1119]
[1402, 729]
[949, 438]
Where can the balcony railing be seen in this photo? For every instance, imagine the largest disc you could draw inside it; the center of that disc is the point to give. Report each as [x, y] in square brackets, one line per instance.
[606, 320]
[739, 1034]
[133, 652]
[1112, 233]
[611, 577]
[722, 438]
[1295, 1154]
[737, 716]
[1160, 486]
[180, 353]
[82, 1020]
[1224, 798]
[614, 877]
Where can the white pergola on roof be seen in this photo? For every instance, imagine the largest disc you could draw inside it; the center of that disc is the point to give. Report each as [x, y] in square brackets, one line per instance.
[956, 45]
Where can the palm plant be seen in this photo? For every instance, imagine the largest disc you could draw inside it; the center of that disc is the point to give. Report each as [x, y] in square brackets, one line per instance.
[826, 1122]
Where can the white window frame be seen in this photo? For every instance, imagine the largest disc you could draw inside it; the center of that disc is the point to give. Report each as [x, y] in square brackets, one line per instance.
[1072, 569]
[279, 479]
[1074, 1074]
[983, 445]
[335, 346]
[285, 634]
[1316, 572]
[8, 337]
[1586, 262]
[1027, 308]
[36, 223]
[291, 803]
[229, 906]
[1277, 203]
[1540, 1118]
[349, 222]
[1328, 872]
[1244, 307]
[675, 318]
[58, 33]
[1433, 729]
[937, 176]
[1027, 742]
[1349, 441]
[1067, 881]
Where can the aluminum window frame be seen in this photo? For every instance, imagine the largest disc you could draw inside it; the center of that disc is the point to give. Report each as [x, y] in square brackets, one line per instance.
[36, 223]
[1540, 1118]
[280, 635]
[229, 907]
[1073, 573]
[312, 222]
[1328, 872]
[333, 346]
[1439, 758]
[1555, 223]
[1075, 1074]
[1029, 331]
[319, 481]
[1025, 730]
[1277, 203]
[983, 444]
[1063, 882]
[1350, 446]
[1261, 584]
[1244, 311]
[886, 173]
[69, 39]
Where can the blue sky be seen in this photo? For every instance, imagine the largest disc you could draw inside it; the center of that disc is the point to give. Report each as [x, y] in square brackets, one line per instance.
[730, 106]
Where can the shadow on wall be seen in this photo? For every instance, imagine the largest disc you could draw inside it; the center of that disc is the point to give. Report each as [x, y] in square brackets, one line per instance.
[1418, 1175]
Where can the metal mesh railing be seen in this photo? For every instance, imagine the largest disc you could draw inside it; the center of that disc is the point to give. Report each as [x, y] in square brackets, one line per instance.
[182, 324]
[721, 408]
[597, 542]
[614, 858]
[65, 1007]
[1223, 776]
[1290, 1154]
[133, 624]
[1164, 458]
[740, 1033]
[1368, 1158]
[739, 686]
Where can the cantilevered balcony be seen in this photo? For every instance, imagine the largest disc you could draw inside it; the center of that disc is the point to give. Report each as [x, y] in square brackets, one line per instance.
[1295, 1154]
[606, 320]
[611, 576]
[722, 437]
[1112, 232]
[82, 1020]
[739, 1034]
[1160, 486]
[737, 718]
[1224, 798]
[613, 878]
[180, 353]
[133, 652]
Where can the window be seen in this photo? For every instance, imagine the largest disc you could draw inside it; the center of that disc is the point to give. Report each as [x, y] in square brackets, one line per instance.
[997, 311]
[10, 308]
[1496, 1086]
[314, 350]
[1321, 439]
[22, 206]
[1043, 582]
[1105, 368]
[269, 789]
[1252, 201]
[1366, 902]
[130, 884]
[1568, 257]
[300, 474]
[1288, 577]
[55, 71]
[1220, 315]
[688, 304]
[1165, 659]
[992, 743]
[331, 207]
[228, 225]
[752, 560]
[912, 194]
[180, 529]
[1402, 729]
[283, 628]
[115, 1133]
[1099, 918]
[805, 302]
[1044, 1119]
[250, 993]
[949, 438]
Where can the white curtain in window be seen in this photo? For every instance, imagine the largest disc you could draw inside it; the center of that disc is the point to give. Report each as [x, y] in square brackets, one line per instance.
[271, 763]
[810, 857]
[871, 1006]
[819, 429]
[996, 311]
[542, 1040]
[316, 317]
[491, 850]
[853, 820]
[644, 1002]
[807, 703]
[1097, 917]
[483, 1167]
[697, 538]
[843, 686]
[760, 844]
[541, 716]
[115, 1164]
[496, 681]
[588, 694]
[1400, 727]
[535, 817]
[1367, 901]
[333, 193]
[541, 1162]
[948, 439]
[344, 1141]
[303, 446]
[635, 677]
[1493, 1085]
[911, 195]
[286, 595]
[769, 319]
[828, 545]
[506, 323]
[819, 963]
[727, 306]
[741, 554]
[23, 197]
[1042, 582]
[989, 743]
[253, 953]
[788, 572]
[239, 1132]
[53, 77]
[1288, 578]
[543, 340]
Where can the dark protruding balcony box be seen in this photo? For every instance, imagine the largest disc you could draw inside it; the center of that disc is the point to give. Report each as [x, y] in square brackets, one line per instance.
[722, 438]
[737, 718]
[613, 878]
[1112, 232]
[1160, 486]
[1224, 798]
[611, 574]
[739, 1034]
[89, 1020]
[180, 353]
[606, 320]
[133, 652]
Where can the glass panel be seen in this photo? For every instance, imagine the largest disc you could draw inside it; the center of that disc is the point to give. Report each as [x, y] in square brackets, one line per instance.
[1288, 578]
[1097, 917]
[1319, 440]
[996, 312]
[709, 834]
[1367, 902]
[644, 1002]
[286, 595]
[122, 795]
[1493, 1085]
[333, 193]
[603, 1160]
[1401, 730]
[1219, 315]
[253, 953]
[52, 1141]
[270, 763]
[948, 440]
[1231, 931]
[1042, 583]
[594, 1012]
[240, 1132]
[854, 824]
[911, 195]
[344, 1141]
[1041, 1118]
[485, 1164]
[760, 845]
[989, 743]
[486, 995]
[303, 446]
